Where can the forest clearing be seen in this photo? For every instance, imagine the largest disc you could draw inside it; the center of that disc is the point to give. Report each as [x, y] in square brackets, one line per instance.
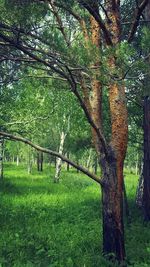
[47, 224]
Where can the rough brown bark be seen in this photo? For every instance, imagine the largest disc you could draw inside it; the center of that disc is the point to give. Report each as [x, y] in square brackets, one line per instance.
[143, 191]
[113, 228]
[96, 86]
[112, 165]
[113, 194]
[146, 166]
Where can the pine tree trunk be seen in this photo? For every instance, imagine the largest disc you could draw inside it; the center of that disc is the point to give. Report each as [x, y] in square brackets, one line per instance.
[112, 165]
[112, 210]
[146, 166]
[1, 157]
[58, 160]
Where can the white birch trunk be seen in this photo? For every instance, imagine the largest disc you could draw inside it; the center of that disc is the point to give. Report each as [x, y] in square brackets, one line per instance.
[29, 161]
[89, 159]
[17, 160]
[58, 160]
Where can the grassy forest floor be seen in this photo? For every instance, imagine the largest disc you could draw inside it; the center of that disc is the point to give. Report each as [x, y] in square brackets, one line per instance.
[44, 224]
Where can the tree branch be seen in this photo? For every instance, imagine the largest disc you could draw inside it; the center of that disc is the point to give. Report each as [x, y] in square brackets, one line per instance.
[56, 154]
[98, 18]
[33, 56]
[138, 13]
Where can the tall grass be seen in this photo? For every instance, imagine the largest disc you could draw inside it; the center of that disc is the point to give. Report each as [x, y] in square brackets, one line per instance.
[44, 224]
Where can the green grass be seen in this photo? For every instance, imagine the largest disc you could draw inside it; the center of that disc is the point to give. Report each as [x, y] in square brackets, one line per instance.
[44, 224]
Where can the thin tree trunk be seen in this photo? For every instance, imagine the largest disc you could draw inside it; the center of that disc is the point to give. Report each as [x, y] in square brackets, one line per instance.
[29, 167]
[125, 204]
[95, 165]
[39, 161]
[137, 163]
[17, 160]
[58, 160]
[89, 159]
[68, 166]
[1, 157]
[139, 192]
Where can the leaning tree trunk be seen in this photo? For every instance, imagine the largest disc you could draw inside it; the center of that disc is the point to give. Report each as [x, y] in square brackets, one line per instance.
[146, 166]
[1, 157]
[58, 160]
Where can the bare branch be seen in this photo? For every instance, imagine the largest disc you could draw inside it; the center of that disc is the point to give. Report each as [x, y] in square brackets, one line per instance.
[54, 153]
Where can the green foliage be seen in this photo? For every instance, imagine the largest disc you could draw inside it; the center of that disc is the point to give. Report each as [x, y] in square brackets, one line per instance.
[44, 224]
[24, 13]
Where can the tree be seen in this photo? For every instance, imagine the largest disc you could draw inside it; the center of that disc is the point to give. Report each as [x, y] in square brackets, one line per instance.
[89, 59]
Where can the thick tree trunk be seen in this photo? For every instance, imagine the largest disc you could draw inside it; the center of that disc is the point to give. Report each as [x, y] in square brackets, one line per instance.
[112, 209]
[58, 160]
[112, 164]
[1, 157]
[146, 166]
